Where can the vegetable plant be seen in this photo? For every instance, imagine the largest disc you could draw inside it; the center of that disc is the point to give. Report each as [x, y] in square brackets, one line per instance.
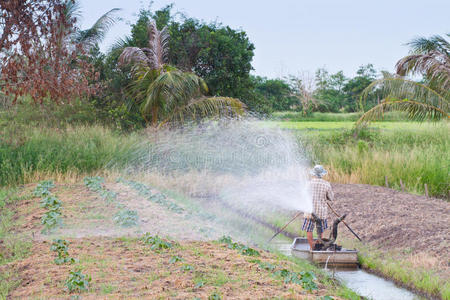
[78, 281]
[244, 250]
[51, 219]
[126, 218]
[50, 201]
[61, 247]
[43, 188]
[156, 242]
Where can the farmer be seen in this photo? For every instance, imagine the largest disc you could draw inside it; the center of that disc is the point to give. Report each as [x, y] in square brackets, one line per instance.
[321, 192]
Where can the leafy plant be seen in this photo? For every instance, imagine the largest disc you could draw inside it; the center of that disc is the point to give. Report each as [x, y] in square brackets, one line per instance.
[307, 281]
[156, 242]
[61, 247]
[43, 188]
[51, 219]
[50, 201]
[126, 218]
[187, 267]
[94, 183]
[244, 250]
[175, 259]
[78, 281]
[214, 296]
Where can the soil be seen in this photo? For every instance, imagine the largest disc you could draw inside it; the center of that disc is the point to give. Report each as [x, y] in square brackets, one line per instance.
[393, 220]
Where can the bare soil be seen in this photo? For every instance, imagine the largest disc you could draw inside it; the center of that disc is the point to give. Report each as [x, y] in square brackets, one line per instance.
[392, 220]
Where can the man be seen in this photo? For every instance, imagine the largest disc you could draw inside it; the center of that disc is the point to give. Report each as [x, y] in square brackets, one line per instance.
[321, 192]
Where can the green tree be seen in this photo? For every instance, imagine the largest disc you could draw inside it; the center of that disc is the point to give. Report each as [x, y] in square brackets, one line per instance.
[165, 93]
[430, 57]
[355, 86]
[220, 55]
[277, 93]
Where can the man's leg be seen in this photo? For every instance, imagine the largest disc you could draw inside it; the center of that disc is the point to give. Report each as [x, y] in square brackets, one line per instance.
[309, 235]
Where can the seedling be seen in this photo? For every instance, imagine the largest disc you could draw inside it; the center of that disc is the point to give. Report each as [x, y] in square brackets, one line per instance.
[156, 242]
[175, 259]
[186, 268]
[77, 281]
[61, 247]
[126, 218]
[244, 250]
[214, 296]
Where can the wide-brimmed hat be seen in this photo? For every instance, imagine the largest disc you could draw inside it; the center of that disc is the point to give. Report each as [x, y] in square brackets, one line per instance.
[318, 171]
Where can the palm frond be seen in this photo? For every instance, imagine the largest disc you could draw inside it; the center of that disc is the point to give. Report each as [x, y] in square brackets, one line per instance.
[206, 107]
[158, 45]
[418, 100]
[416, 111]
[424, 45]
[133, 55]
[97, 32]
[434, 65]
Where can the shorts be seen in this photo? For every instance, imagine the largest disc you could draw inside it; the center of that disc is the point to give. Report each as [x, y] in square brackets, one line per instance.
[309, 224]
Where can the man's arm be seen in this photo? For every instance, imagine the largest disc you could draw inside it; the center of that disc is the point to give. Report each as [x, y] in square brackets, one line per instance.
[330, 194]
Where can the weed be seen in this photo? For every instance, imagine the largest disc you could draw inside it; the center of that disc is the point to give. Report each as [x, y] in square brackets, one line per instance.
[78, 281]
[108, 289]
[61, 247]
[156, 242]
[175, 259]
[126, 218]
[305, 279]
[199, 282]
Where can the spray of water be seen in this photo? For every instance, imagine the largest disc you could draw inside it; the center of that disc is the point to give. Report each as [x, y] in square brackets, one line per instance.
[246, 164]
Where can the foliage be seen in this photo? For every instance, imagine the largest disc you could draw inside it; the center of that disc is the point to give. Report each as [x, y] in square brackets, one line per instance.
[244, 250]
[77, 281]
[429, 100]
[50, 201]
[61, 247]
[126, 218]
[43, 188]
[187, 267]
[175, 259]
[38, 57]
[214, 296]
[51, 219]
[156, 242]
[94, 183]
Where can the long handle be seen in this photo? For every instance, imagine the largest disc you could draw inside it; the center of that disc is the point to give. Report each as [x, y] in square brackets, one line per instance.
[343, 221]
[284, 226]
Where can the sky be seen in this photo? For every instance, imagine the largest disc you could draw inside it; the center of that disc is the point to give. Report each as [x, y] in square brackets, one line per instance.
[298, 36]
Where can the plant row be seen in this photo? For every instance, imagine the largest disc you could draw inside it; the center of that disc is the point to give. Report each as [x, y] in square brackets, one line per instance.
[306, 279]
[53, 216]
[77, 281]
[158, 198]
[124, 217]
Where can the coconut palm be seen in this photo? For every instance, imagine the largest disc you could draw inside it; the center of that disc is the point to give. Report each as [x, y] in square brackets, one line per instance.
[430, 57]
[90, 37]
[165, 93]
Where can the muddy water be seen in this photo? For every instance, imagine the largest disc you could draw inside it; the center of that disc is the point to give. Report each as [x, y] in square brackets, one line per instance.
[365, 284]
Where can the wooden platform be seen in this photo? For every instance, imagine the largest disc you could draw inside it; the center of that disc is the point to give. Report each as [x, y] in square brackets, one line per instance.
[344, 258]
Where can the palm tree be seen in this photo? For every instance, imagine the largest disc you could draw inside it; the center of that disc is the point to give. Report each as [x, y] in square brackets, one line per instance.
[165, 93]
[430, 57]
[90, 37]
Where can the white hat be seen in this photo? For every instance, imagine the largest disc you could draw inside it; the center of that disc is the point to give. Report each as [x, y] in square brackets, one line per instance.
[318, 171]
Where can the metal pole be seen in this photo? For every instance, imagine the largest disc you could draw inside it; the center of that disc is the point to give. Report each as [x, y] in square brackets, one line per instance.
[343, 221]
[295, 217]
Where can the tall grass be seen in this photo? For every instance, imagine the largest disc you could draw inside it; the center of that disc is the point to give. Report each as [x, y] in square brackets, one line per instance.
[78, 150]
[330, 117]
[416, 156]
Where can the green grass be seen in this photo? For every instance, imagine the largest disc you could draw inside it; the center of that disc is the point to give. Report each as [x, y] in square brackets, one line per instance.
[80, 150]
[416, 153]
[330, 117]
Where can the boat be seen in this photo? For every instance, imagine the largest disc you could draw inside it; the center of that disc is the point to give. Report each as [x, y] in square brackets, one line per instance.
[344, 258]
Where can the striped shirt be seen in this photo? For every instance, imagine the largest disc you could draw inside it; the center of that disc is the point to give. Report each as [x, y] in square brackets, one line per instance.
[321, 191]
